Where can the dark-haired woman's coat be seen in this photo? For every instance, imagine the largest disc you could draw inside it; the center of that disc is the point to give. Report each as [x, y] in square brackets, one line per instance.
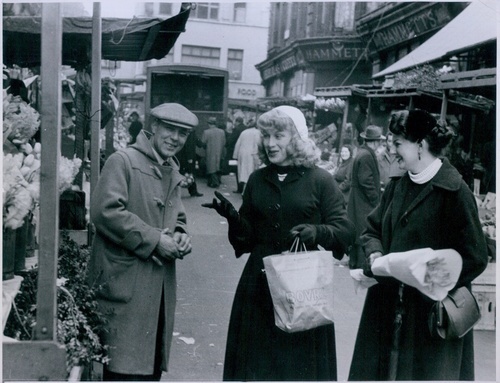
[343, 177]
[256, 349]
[444, 215]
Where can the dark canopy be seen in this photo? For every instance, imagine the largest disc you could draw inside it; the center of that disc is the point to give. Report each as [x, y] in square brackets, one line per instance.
[137, 39]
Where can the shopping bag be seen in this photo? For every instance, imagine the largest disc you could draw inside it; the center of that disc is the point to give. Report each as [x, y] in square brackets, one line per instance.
[301, 286]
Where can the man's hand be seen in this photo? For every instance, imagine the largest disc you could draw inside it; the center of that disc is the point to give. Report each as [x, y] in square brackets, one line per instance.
[183, 242]
[167, 248]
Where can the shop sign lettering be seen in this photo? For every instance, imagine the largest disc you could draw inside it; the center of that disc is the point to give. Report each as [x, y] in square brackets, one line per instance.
[246, 92]
[337, 52]
[411, 27]
[272, 71]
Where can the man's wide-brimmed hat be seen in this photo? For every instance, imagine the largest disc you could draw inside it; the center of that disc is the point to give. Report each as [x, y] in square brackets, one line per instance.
[372, 133]
[176, 115]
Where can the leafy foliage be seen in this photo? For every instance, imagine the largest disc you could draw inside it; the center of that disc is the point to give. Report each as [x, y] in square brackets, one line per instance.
[79, 319]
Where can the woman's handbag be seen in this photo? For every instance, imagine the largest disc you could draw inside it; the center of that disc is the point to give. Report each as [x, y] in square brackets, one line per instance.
[301, 286]
[454, 316]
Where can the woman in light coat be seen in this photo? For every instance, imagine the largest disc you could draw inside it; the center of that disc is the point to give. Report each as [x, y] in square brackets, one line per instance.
[246, 152]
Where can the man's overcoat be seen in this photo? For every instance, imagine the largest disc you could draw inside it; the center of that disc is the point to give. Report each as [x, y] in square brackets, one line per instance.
[442, 216]
[365, 188]
[133, 201]
[214, 140]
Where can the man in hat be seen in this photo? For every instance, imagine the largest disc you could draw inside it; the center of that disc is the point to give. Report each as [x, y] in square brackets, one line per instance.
[213, 140]
[365, 189]
[140, 233]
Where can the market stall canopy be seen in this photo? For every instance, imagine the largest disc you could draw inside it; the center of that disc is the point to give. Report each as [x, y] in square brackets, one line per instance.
[475, 25]
[136, 39]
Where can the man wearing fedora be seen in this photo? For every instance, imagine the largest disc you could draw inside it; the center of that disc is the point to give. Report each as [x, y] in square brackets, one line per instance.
[214, 141]
[140, 233]
[365, 189]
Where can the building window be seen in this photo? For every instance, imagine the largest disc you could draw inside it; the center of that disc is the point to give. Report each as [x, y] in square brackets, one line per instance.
[240, 12]
[200, 55]
[165, 9]
[208, 11]
[235, 63]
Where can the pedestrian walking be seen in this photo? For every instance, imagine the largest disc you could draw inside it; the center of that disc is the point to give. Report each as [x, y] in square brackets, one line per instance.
[429, 207]
[135, 126]
[213, 140]
[365, 189]
[231, 143]
[343, 173]
[387, 164]
[187, 162]
[140, 232]
[246, 153]
[287, 198]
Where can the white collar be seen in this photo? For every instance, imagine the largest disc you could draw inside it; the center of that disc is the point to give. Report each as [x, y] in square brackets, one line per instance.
[428, 173]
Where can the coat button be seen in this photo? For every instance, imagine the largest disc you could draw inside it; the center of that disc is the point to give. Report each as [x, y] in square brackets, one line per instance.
[404, 221]
[276, 225]
[277, 206]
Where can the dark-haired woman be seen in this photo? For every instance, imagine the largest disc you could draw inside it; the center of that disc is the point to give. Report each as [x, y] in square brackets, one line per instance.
[344, 170]
[290, 196]
[430, 206]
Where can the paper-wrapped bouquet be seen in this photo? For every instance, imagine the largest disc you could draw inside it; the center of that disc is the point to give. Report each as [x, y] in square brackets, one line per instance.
[432, 272]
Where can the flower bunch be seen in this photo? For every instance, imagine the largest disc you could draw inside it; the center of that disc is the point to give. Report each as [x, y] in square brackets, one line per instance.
[21, 182]
[17, 199]
[437, 273]
[20, 121]
[68, 169]
[187, 181]
[333, 104]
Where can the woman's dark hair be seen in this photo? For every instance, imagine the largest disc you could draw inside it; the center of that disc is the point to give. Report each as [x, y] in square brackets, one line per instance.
[417, 125]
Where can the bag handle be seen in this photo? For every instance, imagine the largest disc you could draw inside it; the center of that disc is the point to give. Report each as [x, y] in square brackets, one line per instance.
[298, 246]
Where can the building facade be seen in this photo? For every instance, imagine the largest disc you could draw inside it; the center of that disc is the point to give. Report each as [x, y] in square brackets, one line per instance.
[393, 29]
[314, 44]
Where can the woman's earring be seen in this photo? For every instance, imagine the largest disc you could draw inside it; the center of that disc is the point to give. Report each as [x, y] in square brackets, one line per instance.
[419, 155]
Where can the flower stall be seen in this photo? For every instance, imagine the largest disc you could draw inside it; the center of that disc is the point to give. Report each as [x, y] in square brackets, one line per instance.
[50, 318]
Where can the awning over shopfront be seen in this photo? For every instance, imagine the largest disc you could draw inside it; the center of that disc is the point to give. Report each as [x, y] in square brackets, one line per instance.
[137, 39]
[475, 25]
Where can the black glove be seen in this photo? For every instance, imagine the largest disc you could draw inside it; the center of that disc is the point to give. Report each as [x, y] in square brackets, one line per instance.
[224, 207]
[306, 232]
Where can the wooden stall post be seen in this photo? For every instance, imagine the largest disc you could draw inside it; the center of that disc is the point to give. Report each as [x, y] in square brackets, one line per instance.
[95, 125]
[344, 124]
[44, 358]
[444, 104]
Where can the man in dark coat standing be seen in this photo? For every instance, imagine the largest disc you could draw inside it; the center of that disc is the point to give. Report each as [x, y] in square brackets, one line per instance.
[213, 140]
[365, 189]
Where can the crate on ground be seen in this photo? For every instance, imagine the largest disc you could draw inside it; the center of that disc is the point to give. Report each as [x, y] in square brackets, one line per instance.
[484, 289]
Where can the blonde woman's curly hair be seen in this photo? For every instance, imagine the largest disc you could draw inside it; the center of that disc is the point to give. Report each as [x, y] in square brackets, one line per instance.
[302, 152]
